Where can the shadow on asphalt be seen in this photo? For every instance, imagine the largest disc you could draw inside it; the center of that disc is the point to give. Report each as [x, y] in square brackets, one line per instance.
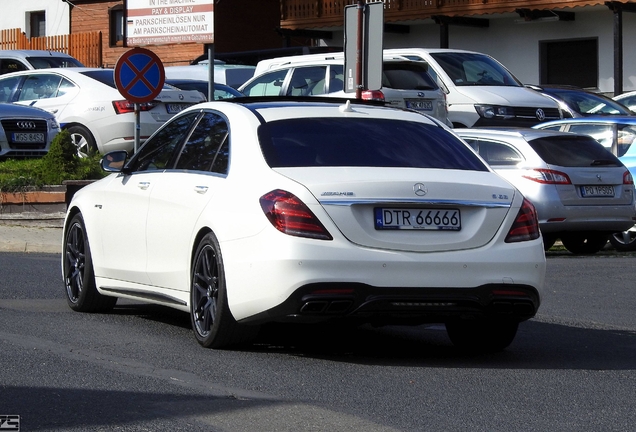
[538, 345]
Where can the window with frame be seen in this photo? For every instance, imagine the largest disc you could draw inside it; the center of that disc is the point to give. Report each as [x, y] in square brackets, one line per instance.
[37, 23]
[160, 150]
[572, 62]
[269, 84]
[116, 26]
[496, 154]
[207, 148]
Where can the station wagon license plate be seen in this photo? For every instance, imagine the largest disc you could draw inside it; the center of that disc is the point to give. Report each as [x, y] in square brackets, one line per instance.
[597, 191]
[417, 219]
[28, 137]
[174, 108]
[420, 105]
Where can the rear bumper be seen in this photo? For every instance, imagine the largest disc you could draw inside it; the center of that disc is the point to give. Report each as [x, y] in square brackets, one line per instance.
[362, 303]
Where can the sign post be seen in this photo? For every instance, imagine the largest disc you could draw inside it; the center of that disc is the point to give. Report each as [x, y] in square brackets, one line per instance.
[139, 77]
[364, 34]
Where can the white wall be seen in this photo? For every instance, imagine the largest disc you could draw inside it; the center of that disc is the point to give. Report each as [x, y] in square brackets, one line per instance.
[15, 15]
[517, 45]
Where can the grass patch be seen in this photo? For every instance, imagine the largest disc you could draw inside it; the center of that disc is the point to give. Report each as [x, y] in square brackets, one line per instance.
[59, 164]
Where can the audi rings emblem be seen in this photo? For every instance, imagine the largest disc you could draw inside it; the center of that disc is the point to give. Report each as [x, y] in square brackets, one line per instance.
[420, 189]
[26, 124]
[540, 114]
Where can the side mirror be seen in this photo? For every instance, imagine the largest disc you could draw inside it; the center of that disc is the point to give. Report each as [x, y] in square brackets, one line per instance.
[114, 161]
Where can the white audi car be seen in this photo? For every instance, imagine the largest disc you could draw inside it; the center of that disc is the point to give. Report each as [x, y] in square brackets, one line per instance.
[251, 211]
[87, 103]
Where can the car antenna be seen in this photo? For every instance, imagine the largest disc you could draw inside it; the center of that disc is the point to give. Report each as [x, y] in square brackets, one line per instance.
[346, 107]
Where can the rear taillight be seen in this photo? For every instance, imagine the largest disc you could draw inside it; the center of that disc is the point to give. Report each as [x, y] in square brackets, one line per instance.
[526, 224]
[627, 178]
[547, 176]
[291, 216]
[376, 95]
[124, 106]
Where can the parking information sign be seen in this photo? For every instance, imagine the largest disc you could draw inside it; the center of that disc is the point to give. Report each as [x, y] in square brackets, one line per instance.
[159, 22]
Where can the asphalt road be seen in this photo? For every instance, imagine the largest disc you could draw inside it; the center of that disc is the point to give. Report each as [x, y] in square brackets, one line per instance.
[572, 368]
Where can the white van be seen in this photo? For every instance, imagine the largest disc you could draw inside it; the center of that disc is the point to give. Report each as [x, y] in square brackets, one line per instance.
[405, 83]
[480, 90]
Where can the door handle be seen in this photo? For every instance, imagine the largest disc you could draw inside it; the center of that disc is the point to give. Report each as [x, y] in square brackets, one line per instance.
[143, 185]
[201, 189]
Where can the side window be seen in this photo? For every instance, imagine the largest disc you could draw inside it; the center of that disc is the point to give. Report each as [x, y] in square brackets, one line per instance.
[9, 65]
[553, 127]
[601, 133]
[65, 87]
[201, 151]
[269, 84]
[499, 154]
[40, 87]
[495, 154]
[336, 78]
[8, 87]
[160, 149]
[307, 81]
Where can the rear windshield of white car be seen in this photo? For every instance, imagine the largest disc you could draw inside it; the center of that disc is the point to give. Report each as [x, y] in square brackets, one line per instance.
[574, 151]
[407, 76]
[363, 142]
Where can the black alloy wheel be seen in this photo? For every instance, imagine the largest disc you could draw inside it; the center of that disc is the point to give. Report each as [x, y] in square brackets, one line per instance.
[79, 279]
[212, 322]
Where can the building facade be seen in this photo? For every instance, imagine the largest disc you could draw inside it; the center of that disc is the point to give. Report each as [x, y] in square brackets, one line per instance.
[36, 18]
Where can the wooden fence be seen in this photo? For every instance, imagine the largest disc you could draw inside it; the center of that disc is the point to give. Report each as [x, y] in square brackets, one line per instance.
[86, 47]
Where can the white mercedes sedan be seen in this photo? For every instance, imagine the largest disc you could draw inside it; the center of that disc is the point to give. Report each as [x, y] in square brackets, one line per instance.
[252, 211]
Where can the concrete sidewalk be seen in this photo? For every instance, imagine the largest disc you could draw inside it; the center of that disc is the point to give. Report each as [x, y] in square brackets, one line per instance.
[33, 233]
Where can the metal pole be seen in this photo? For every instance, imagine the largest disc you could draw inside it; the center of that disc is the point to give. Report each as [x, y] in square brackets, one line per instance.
[137, 127]
[210, 72]
[361, 6]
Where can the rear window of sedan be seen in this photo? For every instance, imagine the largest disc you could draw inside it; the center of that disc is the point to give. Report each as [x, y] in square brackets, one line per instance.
[363, 142]
[574, 151]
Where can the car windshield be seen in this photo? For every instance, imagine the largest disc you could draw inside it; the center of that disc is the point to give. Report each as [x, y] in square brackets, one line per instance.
[474, 69]
[573, 151]
[53, 62]
[363, 142]
[588, 103]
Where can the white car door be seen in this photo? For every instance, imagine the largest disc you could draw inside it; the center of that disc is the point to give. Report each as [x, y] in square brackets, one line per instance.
[179, 197]
[51, 92]
[125, 252]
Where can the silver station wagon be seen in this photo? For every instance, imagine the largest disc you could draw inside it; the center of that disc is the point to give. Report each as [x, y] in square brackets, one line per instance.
[581, 191]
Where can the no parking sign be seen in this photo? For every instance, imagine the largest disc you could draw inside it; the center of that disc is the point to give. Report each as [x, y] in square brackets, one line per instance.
[139, 77]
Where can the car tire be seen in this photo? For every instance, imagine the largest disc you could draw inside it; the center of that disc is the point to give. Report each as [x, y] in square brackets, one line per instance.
[83, 140]
[483, 336]
[212, 322]
[624, 241]
[548, 241]
[79, 278]
[584, 243]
